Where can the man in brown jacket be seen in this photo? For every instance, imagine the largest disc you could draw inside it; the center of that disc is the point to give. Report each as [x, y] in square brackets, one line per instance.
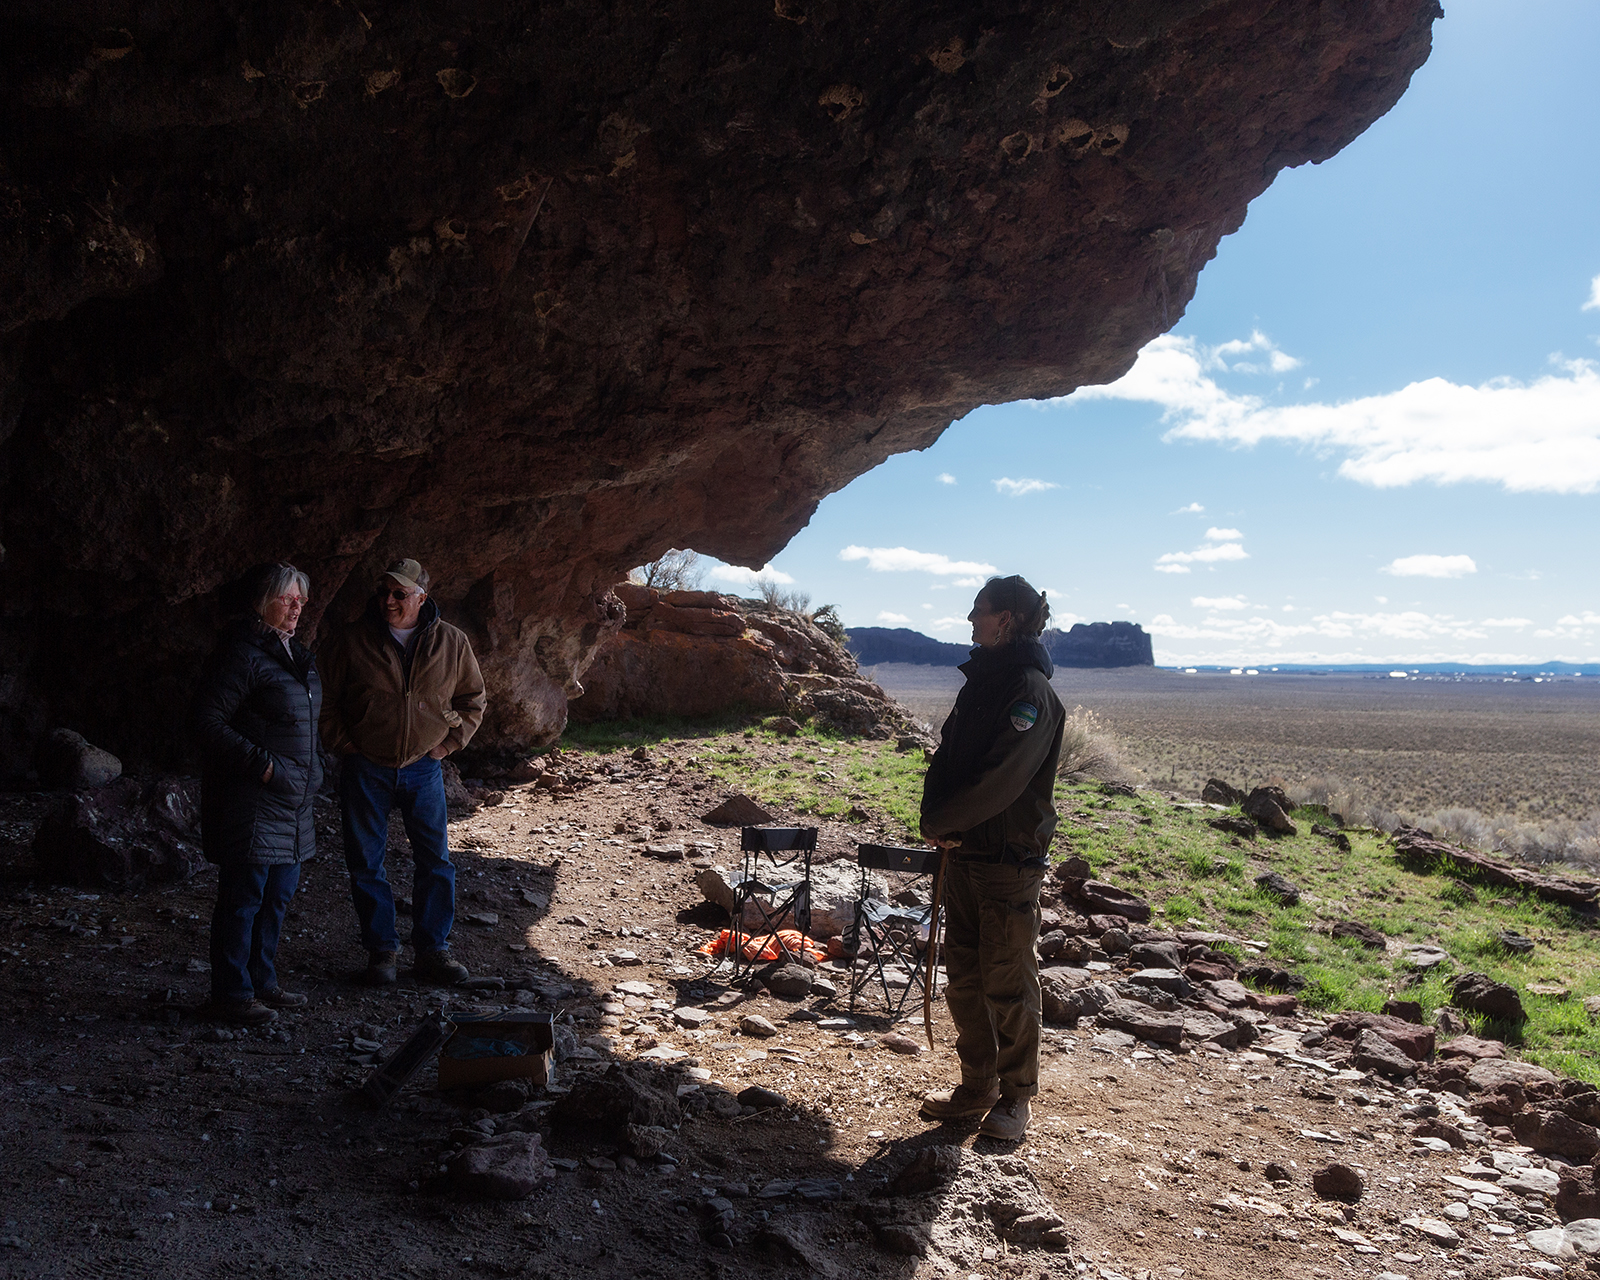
[402, 690]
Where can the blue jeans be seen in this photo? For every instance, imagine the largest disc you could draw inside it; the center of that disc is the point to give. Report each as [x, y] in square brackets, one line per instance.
[367, 794]
[245, 924]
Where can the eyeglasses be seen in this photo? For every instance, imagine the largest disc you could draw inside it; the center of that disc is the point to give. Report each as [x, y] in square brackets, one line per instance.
[396, 593]
[292, 602]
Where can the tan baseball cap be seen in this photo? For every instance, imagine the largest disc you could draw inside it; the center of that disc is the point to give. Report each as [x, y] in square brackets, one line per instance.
[408, 573]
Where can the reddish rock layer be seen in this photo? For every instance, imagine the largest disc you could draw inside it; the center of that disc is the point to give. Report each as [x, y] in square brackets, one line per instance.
[534, 292]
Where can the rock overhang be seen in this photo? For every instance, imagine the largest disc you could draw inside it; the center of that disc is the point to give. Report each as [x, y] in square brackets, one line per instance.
[532, 294]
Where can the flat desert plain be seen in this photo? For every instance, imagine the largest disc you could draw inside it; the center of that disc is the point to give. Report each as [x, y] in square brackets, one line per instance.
[1522, 749]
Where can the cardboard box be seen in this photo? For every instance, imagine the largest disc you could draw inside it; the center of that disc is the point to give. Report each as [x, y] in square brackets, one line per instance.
[515, 1044]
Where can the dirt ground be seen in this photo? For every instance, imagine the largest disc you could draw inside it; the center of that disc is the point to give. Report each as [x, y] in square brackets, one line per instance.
[140, 1139]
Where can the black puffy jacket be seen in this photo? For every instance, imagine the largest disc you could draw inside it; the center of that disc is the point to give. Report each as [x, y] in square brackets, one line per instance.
[258, 704]
[992, 781]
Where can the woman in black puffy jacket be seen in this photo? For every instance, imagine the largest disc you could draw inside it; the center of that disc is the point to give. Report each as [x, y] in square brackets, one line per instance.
[255, 716]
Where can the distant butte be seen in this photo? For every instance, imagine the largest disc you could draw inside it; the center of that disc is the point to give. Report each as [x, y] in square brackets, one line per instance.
[533, 293]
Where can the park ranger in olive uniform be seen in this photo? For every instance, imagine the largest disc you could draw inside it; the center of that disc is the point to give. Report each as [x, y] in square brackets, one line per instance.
[987, 799]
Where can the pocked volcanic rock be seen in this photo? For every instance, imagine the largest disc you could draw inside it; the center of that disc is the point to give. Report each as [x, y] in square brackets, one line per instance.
[532, 294]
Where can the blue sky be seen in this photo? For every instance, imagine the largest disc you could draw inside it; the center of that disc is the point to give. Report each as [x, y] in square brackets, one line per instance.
[1374, 436]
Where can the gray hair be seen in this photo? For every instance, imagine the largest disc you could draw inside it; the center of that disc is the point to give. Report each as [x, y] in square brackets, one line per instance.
[277, 579]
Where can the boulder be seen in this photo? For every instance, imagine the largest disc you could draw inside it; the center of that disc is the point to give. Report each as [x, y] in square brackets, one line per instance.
[1554, 1133]
[1578, 1193]
[1489, 1074]
[69, 762]
[1216, 791]
[1365, 934]
[1473, 1048]
[1416, 1042]
[1271, 882]
[1374, 1053]
[1339, 839]
[508, 1166]
[1142, 1022]
[1479, 993]
[1155, 955]
[1405, 1010]
[1095, 897]
[601, 1106]
[737, 811]
[1208, 971]
[1271, 808]
[1233, 994]
[788, 981]
[1234, 826]
[1338, 1182]
[1209, 1028]
[1066, 995]
[123, 836]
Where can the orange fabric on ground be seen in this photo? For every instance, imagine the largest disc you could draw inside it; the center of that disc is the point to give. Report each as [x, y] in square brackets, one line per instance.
[766, 947]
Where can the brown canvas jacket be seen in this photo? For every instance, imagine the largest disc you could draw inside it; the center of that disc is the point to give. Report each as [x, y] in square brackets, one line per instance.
[374, 706]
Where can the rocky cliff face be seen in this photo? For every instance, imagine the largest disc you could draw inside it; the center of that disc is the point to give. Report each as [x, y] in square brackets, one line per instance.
[698, 653]
[532, 293]
[1100, 644]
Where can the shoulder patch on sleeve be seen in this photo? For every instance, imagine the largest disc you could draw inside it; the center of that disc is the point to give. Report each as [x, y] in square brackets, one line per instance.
[1023, 716]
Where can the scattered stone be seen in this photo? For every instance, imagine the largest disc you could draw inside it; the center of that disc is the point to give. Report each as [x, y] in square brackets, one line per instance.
[1272, 883]
[789, 981]
[1578, 1193]
[1439, 1232]
[1155, 955]
[1441, 1131]
[1112, 1042]
[1479, 993]
[69, 762]
[1420, 955]
[1514, 942]
[484, 919]
[122, 836]
[1531, 1181]
[761, 1099]
[1374, 1053]
[601, 1106]
[1142, 1022]
[508, 1166]
[1340, 840]
[1405, 1010]
[1490, 1074]
[1338, 1182]
[1115, 942]
[783, 726]
[1208, 1028]
[690, 1018]
[634, 987]
[1234, 826]
[1274, 1172]
[665, 852]
[1555, 1133]
[1550, 990]
[1473, 1048]
[1365, 934]
[737, 811]
[1416, 1042]
[1582, 1235]
[753, 1024]
[899, 1042]
[503, 1096]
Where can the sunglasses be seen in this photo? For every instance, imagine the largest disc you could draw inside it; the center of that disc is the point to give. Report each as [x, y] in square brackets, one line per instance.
[396, 593]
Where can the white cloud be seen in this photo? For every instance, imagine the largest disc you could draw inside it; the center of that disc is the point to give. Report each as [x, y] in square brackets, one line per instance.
[969, 582]
[948, 624]
[1172, 568]
[1223, 535]
[1193, 509]
[894, 619]
[1278, 361]
[944, 477]
[905, 560]
[1431, 567]
[1507, 622]
[1542, 436]
[1594, 295]
[1017, 488]
[1218, 602]
[747, 577]
[1206, 555]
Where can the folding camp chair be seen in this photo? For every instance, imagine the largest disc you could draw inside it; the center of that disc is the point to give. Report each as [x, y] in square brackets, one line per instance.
[776, 878]
[889, 933]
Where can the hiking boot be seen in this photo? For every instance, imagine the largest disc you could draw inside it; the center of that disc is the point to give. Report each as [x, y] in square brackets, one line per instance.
[1007, 1120]
[380, 969]
[278, 998]
[960, 1102]
[246, 1013]
[437, 966]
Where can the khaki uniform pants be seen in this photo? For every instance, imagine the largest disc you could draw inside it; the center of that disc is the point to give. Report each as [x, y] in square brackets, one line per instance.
[992, 988]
